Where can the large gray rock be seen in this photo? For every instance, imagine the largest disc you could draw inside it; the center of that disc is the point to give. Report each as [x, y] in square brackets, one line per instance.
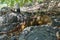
[39, 33]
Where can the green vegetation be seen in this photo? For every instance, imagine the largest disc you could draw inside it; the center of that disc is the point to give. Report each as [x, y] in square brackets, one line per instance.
[12, 2]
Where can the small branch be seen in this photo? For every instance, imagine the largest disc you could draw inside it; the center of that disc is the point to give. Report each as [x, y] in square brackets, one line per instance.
[33, 8]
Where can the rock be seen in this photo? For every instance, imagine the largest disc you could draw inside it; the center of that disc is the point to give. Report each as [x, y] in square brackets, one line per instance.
[58, 4]
[40, 33]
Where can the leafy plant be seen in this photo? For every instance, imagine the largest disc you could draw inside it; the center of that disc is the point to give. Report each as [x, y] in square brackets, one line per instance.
[13, 2]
